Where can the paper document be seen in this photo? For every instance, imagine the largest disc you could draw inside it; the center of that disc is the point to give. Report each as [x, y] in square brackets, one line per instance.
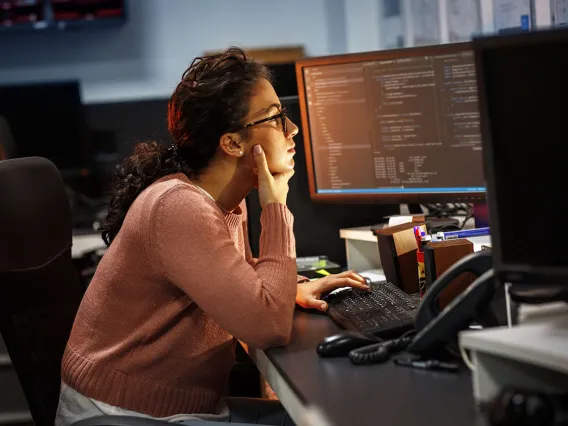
[425, 22]
[512, 15]
[559, 12]
[399, 220]
[464, 19]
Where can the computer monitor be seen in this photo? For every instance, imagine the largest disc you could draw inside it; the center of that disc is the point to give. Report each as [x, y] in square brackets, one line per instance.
[392, 126]
[523, 87]
[48, 120]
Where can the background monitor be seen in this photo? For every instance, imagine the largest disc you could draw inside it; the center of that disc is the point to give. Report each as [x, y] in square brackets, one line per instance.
[523, 87]
[48, 120]
[18, 15]
[17, 12]
[74, 10]
[395, 126]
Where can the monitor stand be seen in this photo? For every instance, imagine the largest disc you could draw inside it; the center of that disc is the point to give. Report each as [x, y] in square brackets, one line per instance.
[415, 209]
[434, 224]
[407, 209]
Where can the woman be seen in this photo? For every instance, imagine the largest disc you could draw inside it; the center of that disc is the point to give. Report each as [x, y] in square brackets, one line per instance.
[156, 331]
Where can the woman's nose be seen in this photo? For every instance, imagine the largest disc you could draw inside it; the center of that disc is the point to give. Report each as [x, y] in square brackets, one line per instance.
[292, 129]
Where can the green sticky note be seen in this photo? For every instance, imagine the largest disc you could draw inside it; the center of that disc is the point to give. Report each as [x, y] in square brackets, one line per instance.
[322, 272]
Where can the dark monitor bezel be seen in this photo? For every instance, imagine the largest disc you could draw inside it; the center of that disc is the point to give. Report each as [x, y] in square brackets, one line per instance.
[392, 198]
[514, 273]
[83, 161]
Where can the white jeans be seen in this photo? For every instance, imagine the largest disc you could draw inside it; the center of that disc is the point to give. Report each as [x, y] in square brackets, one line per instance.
[74, 406]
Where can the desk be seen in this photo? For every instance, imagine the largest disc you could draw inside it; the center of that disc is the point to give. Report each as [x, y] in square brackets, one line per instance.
[350, 395]
[83, 244]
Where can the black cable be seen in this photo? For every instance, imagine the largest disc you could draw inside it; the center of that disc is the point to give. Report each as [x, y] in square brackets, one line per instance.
[443, 228]
[372, 354]
[468, 216]
[380, 352]
[446, 210]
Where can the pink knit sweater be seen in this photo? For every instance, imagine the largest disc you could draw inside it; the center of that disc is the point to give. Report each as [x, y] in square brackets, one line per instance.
[155, 332]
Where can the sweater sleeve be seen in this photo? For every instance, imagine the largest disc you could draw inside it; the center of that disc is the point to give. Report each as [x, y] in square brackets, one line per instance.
[248, 252]
[196, 253]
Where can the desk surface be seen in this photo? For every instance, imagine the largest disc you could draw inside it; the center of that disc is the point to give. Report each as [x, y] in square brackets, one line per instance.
[84, 243]
[369, 395]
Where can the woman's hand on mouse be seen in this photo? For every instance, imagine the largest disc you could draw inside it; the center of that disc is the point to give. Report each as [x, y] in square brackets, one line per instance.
[308, 294]
[271, 188]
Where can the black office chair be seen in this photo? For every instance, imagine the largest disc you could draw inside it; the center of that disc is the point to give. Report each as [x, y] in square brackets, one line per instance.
[40, 290]
[39, 286]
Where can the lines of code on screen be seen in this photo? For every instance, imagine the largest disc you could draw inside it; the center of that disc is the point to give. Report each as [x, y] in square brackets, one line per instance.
[390, 125]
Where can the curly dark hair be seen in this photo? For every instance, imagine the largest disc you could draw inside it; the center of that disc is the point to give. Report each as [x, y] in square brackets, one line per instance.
[211, 99]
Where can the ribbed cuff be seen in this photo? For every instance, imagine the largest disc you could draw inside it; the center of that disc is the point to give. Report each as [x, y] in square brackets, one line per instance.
[277, 236]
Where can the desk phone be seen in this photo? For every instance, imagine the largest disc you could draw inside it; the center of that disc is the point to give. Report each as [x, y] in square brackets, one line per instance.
[387, 312]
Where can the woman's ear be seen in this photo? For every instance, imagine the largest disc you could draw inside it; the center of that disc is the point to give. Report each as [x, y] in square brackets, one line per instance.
[232, 144]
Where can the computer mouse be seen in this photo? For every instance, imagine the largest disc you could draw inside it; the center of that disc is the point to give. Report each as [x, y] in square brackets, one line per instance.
[341, 344]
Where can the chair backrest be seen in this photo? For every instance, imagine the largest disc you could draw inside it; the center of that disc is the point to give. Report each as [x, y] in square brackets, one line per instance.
[40, 290]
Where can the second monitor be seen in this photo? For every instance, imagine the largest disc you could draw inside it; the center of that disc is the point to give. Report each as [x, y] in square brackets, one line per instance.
[398, 126]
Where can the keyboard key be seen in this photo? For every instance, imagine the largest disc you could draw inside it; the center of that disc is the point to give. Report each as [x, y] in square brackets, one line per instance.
[384, 310]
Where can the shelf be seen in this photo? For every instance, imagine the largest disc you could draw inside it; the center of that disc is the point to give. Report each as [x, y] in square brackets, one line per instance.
[26, 27]
[89, 23]
[362, 233]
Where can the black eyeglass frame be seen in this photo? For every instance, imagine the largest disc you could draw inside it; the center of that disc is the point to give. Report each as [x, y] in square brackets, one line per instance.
[281, 115]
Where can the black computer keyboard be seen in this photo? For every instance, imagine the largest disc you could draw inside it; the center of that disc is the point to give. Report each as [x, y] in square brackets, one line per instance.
[385, 312]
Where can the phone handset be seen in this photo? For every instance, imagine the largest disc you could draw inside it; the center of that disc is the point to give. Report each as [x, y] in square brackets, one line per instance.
[476, 263]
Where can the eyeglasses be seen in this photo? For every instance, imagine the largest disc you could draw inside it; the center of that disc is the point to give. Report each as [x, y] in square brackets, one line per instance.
[281, 115]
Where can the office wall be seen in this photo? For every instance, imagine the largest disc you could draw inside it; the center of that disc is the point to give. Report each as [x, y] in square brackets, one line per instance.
[362, 25]
[144, 58]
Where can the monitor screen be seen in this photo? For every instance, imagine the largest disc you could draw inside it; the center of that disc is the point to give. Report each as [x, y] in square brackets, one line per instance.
[44, 14]
[392, 126]
[70, 10]
[47, 120]
[523, 87]
[18, 12]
